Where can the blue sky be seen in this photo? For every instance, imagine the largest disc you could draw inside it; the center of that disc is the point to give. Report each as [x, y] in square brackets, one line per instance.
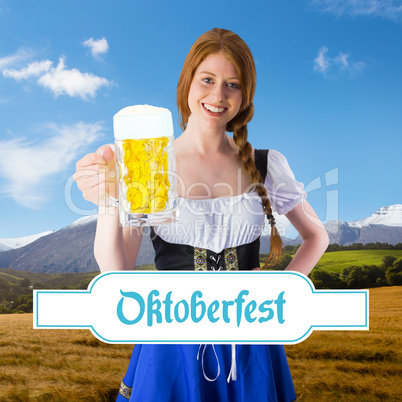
[329, 93]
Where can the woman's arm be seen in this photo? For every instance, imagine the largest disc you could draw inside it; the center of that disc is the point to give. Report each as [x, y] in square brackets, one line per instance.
[116, 248]
[315, 238]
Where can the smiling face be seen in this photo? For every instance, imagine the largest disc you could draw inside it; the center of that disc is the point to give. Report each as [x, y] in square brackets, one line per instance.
[215, 95]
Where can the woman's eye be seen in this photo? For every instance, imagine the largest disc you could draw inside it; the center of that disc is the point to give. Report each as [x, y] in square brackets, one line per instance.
[233, 85]
[207, 80]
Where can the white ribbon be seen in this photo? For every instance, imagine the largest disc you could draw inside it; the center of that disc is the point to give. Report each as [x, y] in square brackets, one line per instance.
[233, 371]
[202, 362]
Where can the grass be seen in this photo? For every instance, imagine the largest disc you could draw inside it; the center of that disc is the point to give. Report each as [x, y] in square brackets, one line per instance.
[72, 365]
[353, 365]
[336, 261]
[57, 365]
[8, 276]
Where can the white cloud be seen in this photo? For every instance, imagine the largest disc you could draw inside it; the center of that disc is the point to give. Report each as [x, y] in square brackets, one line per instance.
[71, 82]
[391, 9]
[33, 69]
[27, 167]
[97, 46]
[342, 61]
[59, 79]
[337, 66]
[16, 58]
[322, 61]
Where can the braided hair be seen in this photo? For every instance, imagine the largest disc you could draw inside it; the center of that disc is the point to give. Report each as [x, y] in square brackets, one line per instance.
[236, 50]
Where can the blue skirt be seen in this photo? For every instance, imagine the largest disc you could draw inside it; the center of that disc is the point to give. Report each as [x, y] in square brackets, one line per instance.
[199, 373]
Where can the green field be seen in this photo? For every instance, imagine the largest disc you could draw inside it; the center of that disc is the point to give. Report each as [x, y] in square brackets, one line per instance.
[336, 261]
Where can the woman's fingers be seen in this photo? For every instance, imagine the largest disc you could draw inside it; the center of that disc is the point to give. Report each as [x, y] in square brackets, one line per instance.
[92, 170]
[88, 178]
[90, 160]
[91, 183]
[96, 174]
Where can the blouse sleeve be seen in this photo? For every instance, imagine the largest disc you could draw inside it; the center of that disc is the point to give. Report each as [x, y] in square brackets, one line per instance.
[283, 190]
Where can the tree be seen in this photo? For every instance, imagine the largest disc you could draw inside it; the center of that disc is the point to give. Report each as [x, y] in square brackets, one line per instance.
[23, 303]
[4, 285]
[9, 296]
[333, 247]
[24, 308]
[326, 280]
[84, 284]
[25, 283]
[284, 261]
[358, 246]
[4, 310]
[393, 274]
[356, 278]
[388, 260]
[320, 278]
[288, 249]
[16, 290]
[296, 248]
[373, 273]
[397, 265]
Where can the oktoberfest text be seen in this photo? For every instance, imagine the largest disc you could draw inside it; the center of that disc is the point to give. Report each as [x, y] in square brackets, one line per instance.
[155, 309]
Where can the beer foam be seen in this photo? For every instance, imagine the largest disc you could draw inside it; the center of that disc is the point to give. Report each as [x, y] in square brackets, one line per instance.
[142, 109]
[142, 122]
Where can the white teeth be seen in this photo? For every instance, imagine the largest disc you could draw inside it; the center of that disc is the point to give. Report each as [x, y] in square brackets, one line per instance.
[214, 109]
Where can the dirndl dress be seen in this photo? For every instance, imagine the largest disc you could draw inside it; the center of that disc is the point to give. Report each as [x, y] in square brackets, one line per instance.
[216, 373]
[172, 373]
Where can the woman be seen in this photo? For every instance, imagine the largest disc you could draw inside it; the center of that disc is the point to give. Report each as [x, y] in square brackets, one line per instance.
[217, 172]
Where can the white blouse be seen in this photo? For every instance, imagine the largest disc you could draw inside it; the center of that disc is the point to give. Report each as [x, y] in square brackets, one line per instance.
[219, 223]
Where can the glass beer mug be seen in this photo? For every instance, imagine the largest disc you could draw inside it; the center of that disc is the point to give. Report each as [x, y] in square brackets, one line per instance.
[146, 166]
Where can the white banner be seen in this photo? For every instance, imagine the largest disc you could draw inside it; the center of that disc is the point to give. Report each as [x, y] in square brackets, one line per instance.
[202, 307]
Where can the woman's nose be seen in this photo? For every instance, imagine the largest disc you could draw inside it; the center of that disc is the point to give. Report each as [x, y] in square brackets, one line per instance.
[218, 94]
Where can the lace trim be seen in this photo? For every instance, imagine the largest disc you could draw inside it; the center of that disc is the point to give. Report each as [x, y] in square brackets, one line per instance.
[200, 259]
[231, 260]
[125, 391]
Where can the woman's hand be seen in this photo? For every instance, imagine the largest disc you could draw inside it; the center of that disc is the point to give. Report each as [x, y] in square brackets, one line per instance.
[314, 235]
[96, 175]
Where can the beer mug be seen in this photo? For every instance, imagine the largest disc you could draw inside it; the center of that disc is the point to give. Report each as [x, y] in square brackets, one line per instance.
[146, 166]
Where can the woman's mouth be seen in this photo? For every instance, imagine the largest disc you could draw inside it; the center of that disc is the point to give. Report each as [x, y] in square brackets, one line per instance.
[216, 110]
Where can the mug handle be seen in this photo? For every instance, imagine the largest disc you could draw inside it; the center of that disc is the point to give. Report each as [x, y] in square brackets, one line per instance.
[112, 201]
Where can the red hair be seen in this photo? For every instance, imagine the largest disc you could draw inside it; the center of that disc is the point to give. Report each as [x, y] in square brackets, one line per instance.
[236, 50]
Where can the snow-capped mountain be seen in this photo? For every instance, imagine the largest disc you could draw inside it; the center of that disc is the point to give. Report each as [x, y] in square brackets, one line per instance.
[9, 244]
[71, 249]
[340, 232]
[66, 250]
[389, 216]
[384, 226]
[82, 221]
